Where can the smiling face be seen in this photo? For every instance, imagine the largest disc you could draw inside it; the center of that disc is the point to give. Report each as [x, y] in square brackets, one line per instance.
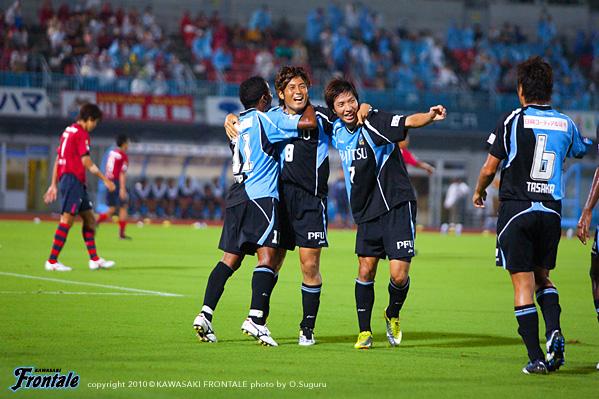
[295, 95]
[346, 108]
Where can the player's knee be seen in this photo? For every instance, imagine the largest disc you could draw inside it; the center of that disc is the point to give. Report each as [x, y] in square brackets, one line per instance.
[400, 279]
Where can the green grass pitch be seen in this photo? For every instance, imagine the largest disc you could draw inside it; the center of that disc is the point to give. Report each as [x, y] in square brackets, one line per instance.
[459, 330]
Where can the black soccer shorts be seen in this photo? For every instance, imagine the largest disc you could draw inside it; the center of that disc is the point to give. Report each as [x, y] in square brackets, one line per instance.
[114, 198]
[594, 253]
[249, 226]
[389, 235]
[303, 219]
[528, 234]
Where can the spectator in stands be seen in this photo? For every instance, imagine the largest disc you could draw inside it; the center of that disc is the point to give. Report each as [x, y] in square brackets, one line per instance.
[13, 15]
[147, 19]
[172, 197]
[213, 197]
[260, 19]
[139, 85]
[264, 64]
[46, 13]
[157, 202]
[18, 60]
[201, 46]
[187, 198]
[159, 85]
[142, 194]
[315, 24]
[222, 59]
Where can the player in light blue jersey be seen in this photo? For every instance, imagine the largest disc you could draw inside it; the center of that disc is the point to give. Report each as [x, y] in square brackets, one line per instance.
[251, 214]
[533, 142]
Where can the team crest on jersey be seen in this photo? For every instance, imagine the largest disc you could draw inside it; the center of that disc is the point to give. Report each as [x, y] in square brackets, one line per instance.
[361, 139]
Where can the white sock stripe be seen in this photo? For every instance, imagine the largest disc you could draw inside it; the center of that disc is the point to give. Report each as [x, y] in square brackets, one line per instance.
[263, 269]
[525, 311]
[547, 291]
[207, 309]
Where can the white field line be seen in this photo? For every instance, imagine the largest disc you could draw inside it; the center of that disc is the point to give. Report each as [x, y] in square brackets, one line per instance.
[92, 284]
[76, 293]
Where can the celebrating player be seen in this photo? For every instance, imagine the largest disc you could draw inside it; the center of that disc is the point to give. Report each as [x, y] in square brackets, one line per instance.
[251, 214]
[69, 170]
[533, 142]
[382, 199]
[116, 168]
[582, 231]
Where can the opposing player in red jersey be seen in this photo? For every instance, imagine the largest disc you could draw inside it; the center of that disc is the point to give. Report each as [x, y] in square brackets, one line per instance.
[69, 171]
[116, 168]
[411, 159]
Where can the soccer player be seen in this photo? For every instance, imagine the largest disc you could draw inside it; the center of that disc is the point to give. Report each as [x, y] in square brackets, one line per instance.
[582, 230]
[381, 197]
[69, 171]
[533, 142]
[116, 171]
[251, 214]
[411, 159]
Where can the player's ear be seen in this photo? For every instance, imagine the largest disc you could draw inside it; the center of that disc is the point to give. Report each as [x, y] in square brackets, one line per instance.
[281, 95]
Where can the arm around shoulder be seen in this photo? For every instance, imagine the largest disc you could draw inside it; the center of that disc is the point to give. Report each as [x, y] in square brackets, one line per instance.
[436, 113]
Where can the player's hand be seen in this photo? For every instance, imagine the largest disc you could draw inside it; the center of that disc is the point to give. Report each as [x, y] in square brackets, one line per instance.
[110, 185]
[363, 112]
[123, 194]
[430, 169]
[230, 129]
[479, 198]
[50, 195]
[582, 228]
[437, 113]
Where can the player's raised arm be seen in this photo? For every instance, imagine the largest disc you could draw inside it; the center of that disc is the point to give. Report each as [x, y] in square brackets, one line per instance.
[230, 128]
[308, 120]
[91, 166]
[486, 176]
[436, 113]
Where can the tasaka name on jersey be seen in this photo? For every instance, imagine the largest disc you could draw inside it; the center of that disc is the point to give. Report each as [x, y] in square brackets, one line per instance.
[375, 173]
[255, 157]
[533, 142]
[305, 159]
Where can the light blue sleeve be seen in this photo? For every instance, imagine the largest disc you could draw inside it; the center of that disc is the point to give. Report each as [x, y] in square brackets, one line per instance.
[279, 126]
[580, 145]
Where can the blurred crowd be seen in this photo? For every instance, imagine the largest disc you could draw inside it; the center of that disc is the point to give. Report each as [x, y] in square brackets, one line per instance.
[100, 42]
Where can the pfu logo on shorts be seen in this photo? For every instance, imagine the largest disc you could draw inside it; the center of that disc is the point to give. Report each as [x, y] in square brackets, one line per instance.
[407, 244]
[26, 379]
[316, 235]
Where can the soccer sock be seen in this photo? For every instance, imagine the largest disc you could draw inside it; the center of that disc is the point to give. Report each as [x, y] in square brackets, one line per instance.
[397, 297]
[60, 237]
[101, 218]
[262, 282]
[548, 300]
[267, 310]
[364, 303]
[528, 322]
[310, 303]
[215, 287]
[597, 307]
[122, 229]
[90, 243]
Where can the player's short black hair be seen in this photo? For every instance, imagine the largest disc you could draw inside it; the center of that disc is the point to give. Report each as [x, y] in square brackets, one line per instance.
[251, 91]
[121, 139]
[535, 76]
[89, 111]
[335, 88]
[286, 74]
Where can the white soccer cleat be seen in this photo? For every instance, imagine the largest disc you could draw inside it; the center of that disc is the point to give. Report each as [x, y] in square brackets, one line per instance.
[261, 333]
[59, 267]
[100, 264]
[204, 329]
[306, 337]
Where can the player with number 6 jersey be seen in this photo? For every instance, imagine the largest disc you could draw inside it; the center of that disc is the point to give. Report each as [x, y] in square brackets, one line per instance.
[251, 214]
[531, 143]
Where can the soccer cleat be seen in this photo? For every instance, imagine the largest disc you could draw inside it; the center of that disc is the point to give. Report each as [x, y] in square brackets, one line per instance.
[203, 328]
[555, 351]
[538, 367]
[306, 336]
[393, 329]
[124, 238]
[100, 264]
[59, 267]
[364, 340]
[261, 333]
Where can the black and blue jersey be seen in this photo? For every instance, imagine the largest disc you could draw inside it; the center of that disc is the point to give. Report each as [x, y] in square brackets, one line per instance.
[255, 157]
[375, 173]
[534, 141]
[305, 159]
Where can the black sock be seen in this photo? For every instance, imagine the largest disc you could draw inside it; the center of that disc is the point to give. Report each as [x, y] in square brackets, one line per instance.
[262, 283]
[528, 322]
[267, 310]
[364, 303]
[215, 287]
[397, 297]
[310, 303]
[548, 300]
[597, 307]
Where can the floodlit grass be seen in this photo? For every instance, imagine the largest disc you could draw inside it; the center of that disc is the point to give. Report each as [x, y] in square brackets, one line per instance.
[459, 329]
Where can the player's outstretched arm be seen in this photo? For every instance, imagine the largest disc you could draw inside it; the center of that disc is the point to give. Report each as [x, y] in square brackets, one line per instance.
[50, 195]
[230, 128]
[308, 120]
[436, 113]
[91, 166]
[584, 223]
[486, 176]
[428, 167]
